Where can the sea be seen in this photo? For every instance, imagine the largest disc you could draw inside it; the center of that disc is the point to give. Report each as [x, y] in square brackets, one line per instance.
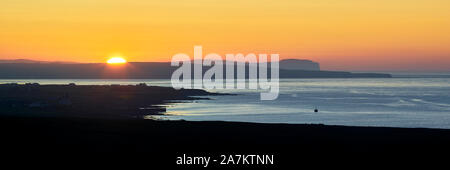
[402, 101]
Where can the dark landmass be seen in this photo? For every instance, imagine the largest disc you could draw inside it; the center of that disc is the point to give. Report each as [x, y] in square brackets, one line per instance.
[329, 74]
[147, 143]
[289, 64]
[34, 61]
[70, 125]
[144, 70]
[294, 64]
[106, 101]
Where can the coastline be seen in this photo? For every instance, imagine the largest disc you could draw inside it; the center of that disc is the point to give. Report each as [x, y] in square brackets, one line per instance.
[91, 101]
[92, 128]
[143, 70]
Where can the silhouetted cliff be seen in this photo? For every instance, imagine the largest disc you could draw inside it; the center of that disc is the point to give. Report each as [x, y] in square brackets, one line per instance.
[138, 70]
[294, 64]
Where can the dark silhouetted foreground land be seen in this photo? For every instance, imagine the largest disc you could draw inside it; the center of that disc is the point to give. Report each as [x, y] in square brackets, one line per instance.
[106, 101]
[95, 126]
[157, 143]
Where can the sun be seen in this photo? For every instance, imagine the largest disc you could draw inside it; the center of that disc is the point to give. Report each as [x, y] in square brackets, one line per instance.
[116, 60]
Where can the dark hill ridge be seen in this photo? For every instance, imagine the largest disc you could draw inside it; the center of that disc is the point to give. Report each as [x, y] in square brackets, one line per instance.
[138, 70]
[289, 64]
[294, 64]
[33, 61]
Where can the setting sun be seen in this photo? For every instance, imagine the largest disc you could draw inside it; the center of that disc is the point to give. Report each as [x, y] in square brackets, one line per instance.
[116, 60]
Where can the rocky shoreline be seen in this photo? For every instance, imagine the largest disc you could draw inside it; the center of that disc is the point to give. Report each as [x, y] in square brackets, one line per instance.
[108, 101]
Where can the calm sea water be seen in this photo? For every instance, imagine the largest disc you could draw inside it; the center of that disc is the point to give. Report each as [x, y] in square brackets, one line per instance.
[393, 102]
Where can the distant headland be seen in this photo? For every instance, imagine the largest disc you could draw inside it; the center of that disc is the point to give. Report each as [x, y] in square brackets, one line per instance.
[30, 69]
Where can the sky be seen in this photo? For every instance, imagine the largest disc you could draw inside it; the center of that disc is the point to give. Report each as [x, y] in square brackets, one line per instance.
[383, 35]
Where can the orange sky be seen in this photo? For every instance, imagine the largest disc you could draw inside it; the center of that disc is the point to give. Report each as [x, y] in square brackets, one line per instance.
[340, 34]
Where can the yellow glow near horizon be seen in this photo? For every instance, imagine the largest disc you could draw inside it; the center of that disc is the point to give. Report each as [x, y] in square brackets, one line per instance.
[116, 60]
[340, 34]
